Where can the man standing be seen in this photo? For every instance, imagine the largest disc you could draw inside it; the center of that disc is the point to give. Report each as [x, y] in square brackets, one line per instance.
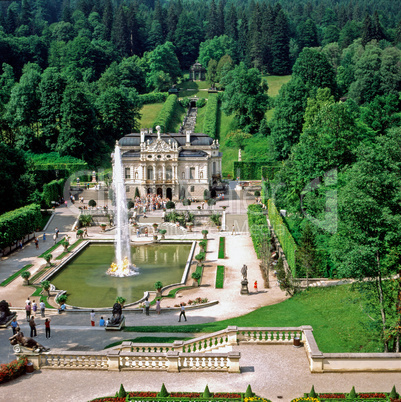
[42, 306]
[147, 306]
[47, 326]
[28, 311]
[32, 324]
[92, 318]
[56, 231]
[182, 312]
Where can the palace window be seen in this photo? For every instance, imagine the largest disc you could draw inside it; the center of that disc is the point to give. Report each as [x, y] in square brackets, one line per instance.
[169, 173]
[150, 173]
[127, 173]
[192, 173]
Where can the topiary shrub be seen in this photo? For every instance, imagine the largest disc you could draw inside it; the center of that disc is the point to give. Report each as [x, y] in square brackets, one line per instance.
[352, 394]
[130, 204]
[248, 392]
[393, 393]
[170, 205]
[211, 202]
[92, 203]
[121, 393]
[137, 192]
[312, 392]
[186, 202]
[206, 194]
[206, 393]
[163, 392]
[158, 285]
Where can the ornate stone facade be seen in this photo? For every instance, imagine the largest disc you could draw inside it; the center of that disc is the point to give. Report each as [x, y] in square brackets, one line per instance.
[179, 165]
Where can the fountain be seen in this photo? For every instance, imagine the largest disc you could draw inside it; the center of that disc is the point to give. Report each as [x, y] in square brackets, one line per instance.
[123, 266]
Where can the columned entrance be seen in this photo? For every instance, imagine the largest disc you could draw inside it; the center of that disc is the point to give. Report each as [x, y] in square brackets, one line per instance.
[159, 191]
[169, 193]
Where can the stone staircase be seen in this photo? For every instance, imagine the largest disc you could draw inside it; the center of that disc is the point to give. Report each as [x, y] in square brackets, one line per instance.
[190, 120]
[172, 229]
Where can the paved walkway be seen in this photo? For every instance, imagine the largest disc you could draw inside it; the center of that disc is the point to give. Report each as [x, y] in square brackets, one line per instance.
[277, 372]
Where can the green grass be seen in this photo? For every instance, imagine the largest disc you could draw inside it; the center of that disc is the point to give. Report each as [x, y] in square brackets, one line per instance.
[52, 248]
[177, 119]
[275, 82]
[269, 114]
[222, 246]
[190, 88]
[15, 275]
[149, 339]
[335, 313]
[173, 292]
[37, 275]
[220, 277]
[63, 254]
[230, 154]
[149, 113]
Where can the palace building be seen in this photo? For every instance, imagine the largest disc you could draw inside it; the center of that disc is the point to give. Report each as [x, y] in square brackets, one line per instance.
[179, 165]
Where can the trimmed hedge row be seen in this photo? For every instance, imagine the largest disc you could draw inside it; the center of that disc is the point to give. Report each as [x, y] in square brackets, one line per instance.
[16, 224]
[222, 246]
[53, 161]
[153, 97]
[165, 115]
[248, 170]
[220, 277]
[283, 234]
[52, 191]
[211, 114]
[258, 227]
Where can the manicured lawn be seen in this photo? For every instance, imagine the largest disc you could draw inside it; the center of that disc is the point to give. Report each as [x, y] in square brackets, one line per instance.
[335, 313]
[177, 119]
[230, 154]
[149, 113]
[275, 82]
[220, 277]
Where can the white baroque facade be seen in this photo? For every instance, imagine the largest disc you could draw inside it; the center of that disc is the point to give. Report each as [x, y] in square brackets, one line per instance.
[173, 165]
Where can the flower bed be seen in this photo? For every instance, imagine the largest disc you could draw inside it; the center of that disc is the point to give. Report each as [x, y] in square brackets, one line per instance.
[362, 396]
[13, 369]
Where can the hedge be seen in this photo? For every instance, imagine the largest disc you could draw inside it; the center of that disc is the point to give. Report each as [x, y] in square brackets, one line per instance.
[16, 224]
[222, 246]
[248, 170]
[258, 227]
[211, 114]
[165, 115]
[220, 277]
[153, 97]
[53, 161]
[283, 234]
[52, 191]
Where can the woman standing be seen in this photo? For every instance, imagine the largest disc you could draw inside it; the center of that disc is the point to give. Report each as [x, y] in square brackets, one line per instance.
[158, 306]
[47, 326]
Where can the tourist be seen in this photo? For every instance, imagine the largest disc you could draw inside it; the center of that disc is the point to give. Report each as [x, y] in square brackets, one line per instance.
[47, 327]
[42, 306]
[32, 324]
[27, 301]
[14, 325]
[34, 307]
[255, 286]
[36, 242]
[138, 233]
[56, 231]
[62, 308]
[85, 232]
[158, 306]
[92, 314]
[102, 322]
[147, 306]
[28, 311]
[44, 236]
[146, 232]
[55, 238]
[182, 312]
[233, 230]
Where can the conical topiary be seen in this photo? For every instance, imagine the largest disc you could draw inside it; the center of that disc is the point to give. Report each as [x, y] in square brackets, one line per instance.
[248, 392]
[121, 392]
[393, 393]
[206, 393]
[312, 392]
[352, 394]
[163, 392]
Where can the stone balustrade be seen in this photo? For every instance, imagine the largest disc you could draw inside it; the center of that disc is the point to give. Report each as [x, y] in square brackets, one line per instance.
[284, 335]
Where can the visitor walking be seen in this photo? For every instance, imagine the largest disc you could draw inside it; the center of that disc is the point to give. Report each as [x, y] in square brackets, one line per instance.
[182, 312]
[44, 236]
[92, 318]
[14, 325]
[32, 324]
[34, 307]
[42, 306]
[56, 231]
[36, 242]
[255, 286]
[28, 311]
[47, 327]
[55, 238]
[147, 306]
[158, 307]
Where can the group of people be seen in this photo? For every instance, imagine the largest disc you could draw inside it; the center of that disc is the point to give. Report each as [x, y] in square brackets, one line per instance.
[150, 202]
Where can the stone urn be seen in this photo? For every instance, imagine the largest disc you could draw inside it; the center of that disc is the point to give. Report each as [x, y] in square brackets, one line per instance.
[189, 226]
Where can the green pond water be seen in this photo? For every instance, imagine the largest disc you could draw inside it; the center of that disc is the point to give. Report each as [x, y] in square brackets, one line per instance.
[88, 285]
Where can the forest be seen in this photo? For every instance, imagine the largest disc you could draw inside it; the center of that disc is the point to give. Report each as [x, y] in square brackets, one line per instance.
[73, 73]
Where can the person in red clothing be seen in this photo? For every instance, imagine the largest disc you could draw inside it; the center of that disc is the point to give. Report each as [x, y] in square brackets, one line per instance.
[47, 327]
[255, 286]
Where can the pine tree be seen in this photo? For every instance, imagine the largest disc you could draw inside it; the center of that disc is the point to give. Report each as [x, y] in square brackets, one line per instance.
[280, 48]
[231, 23]
[220, 18]
[108, 18]
[378, 32]
[397, 38]
[172, 20]
[255, 38]
[212, 22]
[368, 30]
[307, 257]
[26, 15]
[160, 17]
[120, 34]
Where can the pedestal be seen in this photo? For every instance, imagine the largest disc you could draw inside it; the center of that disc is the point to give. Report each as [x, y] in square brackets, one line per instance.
[244, 287]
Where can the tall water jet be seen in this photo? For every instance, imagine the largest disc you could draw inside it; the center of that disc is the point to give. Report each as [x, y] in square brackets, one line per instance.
[122, 266]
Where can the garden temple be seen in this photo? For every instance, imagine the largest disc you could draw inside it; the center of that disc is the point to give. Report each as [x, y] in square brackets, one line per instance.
[178, 165]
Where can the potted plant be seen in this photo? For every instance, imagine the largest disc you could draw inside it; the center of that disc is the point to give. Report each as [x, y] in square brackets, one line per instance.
[92, 203]
[189, 226]
[46, 287]
[200, 258]
[103, 226]
[80, 233]
[48, 258]
[196, 276]
[205, 232]
[163, 233]
[158, 286]
[25, 275]
[65, 244]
